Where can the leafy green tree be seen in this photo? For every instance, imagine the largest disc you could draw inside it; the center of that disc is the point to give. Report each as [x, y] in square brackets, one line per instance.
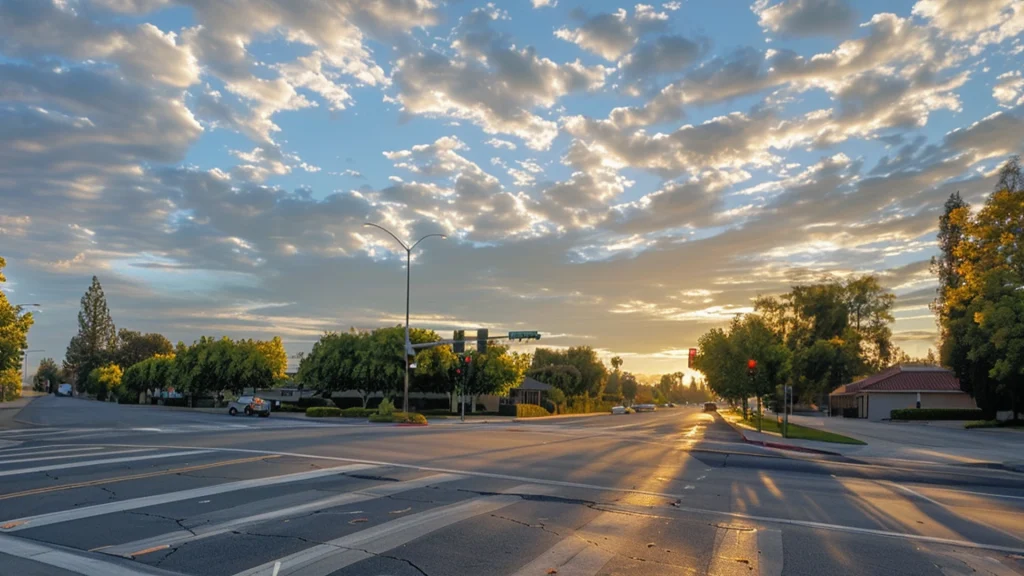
[105, 382]
[593, 373]
[152, 374]
[275, 354]
[250, 367]
[870, 307]
[629, 386]
[332, 364]
[557, 398]
[494, 372]
[48, 376]
[562, 376]
[134, 347]
[14, 327]
[616, 362]
[96, 341]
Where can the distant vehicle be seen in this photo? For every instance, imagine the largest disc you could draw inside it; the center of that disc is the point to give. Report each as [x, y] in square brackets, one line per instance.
[619, 410]
[670, 405]
[645, 407]
[710, 407]
[63, 390]
[249, 405]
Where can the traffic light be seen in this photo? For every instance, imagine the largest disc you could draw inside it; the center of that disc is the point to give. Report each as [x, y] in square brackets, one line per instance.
[693, 358]
[460, 342]
[481, 340]
[751, 367]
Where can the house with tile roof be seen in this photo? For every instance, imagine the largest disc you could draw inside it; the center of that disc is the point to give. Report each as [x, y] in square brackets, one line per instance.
[902, 386]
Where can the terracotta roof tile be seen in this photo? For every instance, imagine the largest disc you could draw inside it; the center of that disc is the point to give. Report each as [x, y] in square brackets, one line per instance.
[905, 379]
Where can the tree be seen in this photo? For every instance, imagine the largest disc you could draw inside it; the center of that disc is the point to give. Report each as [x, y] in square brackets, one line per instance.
[152, 374]
[274, 353]
[48, 376]
[1010, 178]
[96, 341]
[332, 364]
[105, 382]
[134, 347]
[565, 377]
[665, 385]
[494, 372]
[250, 367]
[616, 363]
[870, 307]
[629, 386]
[14, 327]
[593, 373]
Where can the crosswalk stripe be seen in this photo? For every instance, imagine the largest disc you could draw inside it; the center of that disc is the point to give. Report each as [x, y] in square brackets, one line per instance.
[324, 559]
[570, 557]
[201, 531]
[37, 450]
[769, 548]
[146, 501]
[67, 465]
[83, 564]
[66, 456]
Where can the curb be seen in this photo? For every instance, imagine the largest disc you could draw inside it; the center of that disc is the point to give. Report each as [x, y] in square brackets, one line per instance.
[777, 445]
[408, 424]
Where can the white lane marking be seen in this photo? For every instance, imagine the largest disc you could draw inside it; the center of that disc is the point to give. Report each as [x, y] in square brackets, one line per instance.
[202, 531]
[913, 493]
[44, 450]
[570, 557]
[769, 547]
[9, 433]
[559, 483]
[136, 503]
[67, 465]
[66, 456]
[74, 563]
[734, 552]
[985, 494]
[329, 557]
[37, 435]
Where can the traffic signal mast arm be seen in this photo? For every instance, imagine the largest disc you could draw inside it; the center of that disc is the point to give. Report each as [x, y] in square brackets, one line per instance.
[509, 336]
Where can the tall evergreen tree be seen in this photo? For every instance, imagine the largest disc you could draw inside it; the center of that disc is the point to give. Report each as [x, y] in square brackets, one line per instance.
[96, 340]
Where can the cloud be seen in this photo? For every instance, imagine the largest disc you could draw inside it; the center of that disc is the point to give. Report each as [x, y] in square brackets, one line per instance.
[610, 35]
[492, 84]
[499, 143]
[981, 21]
[805, 17]
[544, 3]
[889, 41]
[665, 55]
[1009, 89]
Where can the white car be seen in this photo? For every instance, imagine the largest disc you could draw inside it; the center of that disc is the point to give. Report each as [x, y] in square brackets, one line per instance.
[249, 405]
[645, 407]
[621, 410]
[63, 390]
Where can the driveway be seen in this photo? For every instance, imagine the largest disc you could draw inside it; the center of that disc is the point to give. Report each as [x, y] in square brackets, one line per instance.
[924, 442]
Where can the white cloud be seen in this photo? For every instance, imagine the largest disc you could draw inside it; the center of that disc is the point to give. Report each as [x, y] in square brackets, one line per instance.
[805, 17]
[1009, 89]
[499, 143]
[544, 3]
[610, 35]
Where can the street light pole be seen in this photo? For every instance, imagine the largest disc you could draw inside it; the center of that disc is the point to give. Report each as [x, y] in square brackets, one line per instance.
[408, 284]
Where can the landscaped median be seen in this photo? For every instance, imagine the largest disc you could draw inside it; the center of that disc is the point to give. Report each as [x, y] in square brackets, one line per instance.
[368, 413]
[771, 426]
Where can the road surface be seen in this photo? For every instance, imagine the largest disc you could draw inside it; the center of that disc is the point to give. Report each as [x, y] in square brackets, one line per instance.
[103, 490]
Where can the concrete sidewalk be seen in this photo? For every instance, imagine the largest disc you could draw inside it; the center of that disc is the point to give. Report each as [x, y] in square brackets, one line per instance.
[901, 441]
[9, 411]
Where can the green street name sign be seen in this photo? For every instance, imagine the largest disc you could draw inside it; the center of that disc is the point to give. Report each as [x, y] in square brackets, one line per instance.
[524, 335]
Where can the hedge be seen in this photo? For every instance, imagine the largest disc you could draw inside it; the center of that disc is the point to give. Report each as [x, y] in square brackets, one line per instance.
[322, 411]
[399, 418]
[357, 412]
[312, 402]
[936, 414]
[522, 410]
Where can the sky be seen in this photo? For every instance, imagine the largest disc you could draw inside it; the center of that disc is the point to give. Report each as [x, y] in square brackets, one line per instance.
[619, 175]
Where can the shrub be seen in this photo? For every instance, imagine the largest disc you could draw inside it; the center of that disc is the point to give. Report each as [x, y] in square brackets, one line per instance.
[981, 424]
[289, 407]
[322, 411]
[936, 414]
[312, 402]
[522, 410]
[399, 418]
[357, 412]
[386, 408]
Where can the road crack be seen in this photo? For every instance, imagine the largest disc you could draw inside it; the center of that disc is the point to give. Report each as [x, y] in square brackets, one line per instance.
[539, 526]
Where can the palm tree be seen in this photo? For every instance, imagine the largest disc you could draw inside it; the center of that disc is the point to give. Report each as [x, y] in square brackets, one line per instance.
[616, 362]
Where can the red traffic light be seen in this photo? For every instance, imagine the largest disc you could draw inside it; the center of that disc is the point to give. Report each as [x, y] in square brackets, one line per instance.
[469, 359]
[751, 364]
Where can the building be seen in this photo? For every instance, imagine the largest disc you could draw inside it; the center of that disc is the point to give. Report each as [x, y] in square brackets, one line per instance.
[530, 391]
[901, 386]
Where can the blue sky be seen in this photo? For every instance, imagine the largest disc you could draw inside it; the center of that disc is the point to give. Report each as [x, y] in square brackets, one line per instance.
[621, 175]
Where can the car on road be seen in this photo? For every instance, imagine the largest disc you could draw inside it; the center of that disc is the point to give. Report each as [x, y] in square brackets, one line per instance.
[710, 407]
[249, 405]
[63, 390]
[645, 407]
[622, 410]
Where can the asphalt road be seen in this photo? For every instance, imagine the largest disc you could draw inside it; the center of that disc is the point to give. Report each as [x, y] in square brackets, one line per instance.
[103, 490]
